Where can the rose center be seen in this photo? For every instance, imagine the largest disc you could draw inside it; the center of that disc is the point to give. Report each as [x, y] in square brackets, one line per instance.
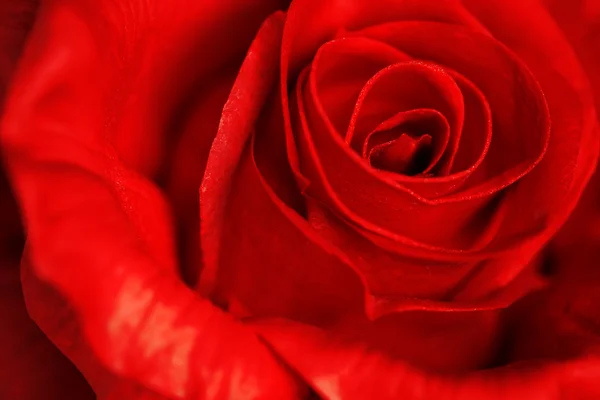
[409, 143]
[405, 155]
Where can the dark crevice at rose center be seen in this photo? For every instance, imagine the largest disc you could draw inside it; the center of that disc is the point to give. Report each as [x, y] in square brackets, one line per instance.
[406, 155]
[409, 143]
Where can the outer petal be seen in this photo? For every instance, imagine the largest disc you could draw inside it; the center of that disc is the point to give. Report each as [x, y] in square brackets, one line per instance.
[340, 369]
[166, 53]
[178, 67]
[576, 249]
[328, 18]
[564, 322]
[561, 323]
[31, 368]
[554, 187]
[187, 164]
[99, 235]
[580, 21]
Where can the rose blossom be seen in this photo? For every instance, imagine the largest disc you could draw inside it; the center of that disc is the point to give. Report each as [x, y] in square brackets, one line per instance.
[377, 182]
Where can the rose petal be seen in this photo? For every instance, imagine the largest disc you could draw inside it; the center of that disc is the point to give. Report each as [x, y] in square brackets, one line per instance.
[365, 202]
[553, 188]
[466, 107]
[469, 341]
[343, 369]
[474, 146]
[293, 273]
[404, 87]
[31, 367]
[579, 21]
[311, 286]
[300, 44]
[188, 162]
[100, 235]
[421, 121]
[560, 323]
[375, 208]
[342, 67]
[404, 154]
[174, 51]
[397, 282]
[448, 46]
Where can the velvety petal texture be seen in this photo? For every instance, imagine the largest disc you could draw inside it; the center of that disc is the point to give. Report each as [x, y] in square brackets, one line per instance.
[342, 369]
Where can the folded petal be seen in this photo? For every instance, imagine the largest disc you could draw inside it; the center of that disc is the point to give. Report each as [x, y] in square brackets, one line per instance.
[100, 235]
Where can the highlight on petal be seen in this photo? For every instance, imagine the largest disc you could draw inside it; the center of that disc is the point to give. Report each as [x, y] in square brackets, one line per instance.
[100, 240]
[186, 169]
[251, 89]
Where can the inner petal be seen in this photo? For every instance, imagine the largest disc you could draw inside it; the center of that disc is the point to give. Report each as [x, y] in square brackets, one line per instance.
[465, 156]
[408, 143]
[406, 154]
[520, 114]
[341, 69]
[405, 87]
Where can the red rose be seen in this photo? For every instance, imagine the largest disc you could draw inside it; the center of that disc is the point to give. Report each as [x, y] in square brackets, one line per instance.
[377, 180]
